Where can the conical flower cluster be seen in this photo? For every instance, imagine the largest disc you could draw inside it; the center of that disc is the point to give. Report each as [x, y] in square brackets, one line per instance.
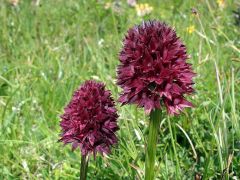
[90, 119]
[153, 70]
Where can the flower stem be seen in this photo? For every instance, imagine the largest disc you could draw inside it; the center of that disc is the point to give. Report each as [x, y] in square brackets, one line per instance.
[84, 167]
[152, 144]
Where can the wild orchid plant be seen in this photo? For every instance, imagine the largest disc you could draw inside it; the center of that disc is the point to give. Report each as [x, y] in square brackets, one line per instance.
[90, 122]
[153, 73]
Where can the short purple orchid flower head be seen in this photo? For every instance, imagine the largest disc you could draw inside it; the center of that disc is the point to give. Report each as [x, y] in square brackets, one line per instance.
[90, 119]
[153, 70]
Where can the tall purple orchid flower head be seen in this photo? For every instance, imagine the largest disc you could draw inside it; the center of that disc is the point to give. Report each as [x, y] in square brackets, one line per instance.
[90, 119]
[153, 70]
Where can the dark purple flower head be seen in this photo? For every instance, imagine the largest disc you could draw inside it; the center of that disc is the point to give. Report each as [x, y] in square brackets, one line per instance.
[90, 119]
[153, 69]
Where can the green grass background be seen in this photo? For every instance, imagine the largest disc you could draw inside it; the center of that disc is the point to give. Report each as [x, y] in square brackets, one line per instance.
[47, 51]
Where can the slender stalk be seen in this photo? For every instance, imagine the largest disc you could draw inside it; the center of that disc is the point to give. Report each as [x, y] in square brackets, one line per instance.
[178, 175]
[84, 167]
[152, 144]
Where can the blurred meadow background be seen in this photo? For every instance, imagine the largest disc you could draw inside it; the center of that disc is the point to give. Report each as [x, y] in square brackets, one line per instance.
[48, 48]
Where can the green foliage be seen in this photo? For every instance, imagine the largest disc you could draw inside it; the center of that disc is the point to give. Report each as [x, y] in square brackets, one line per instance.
[46, 51]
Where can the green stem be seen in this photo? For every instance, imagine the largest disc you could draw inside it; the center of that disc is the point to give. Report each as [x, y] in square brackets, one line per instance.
[84, 167]
[152, 144]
